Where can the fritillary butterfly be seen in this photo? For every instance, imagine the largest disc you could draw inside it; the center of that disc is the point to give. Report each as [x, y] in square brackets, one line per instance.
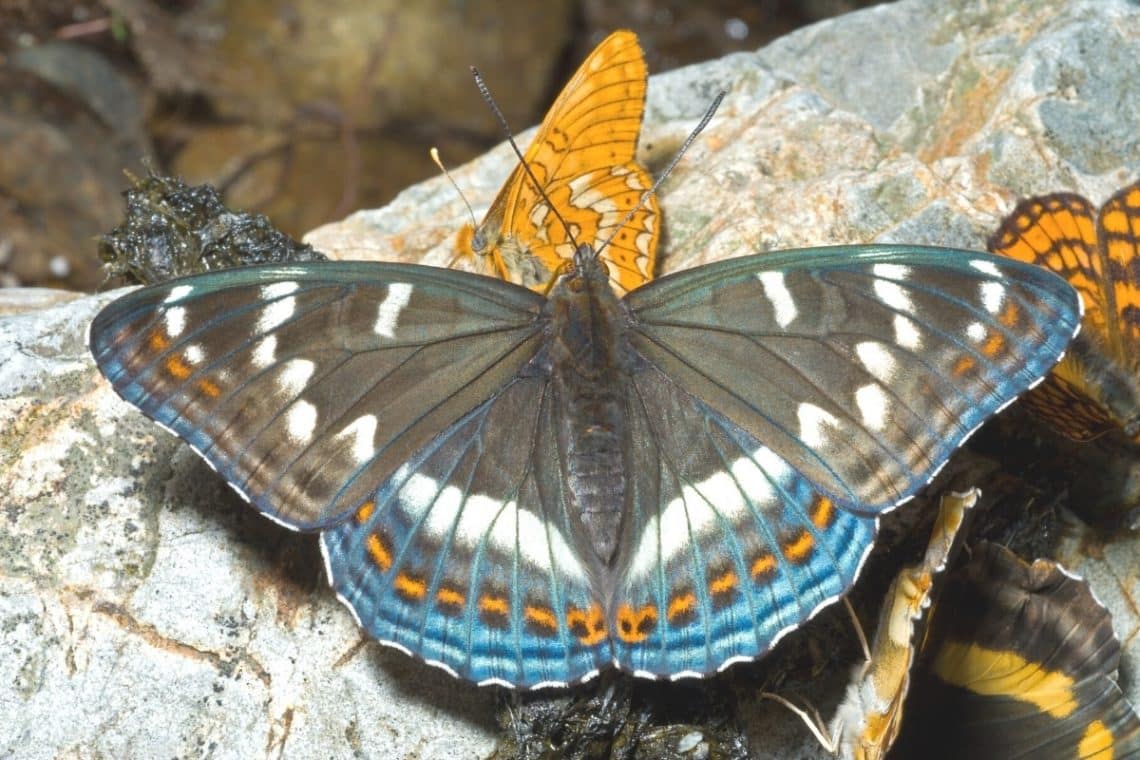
[583, 157]
[1096, 388]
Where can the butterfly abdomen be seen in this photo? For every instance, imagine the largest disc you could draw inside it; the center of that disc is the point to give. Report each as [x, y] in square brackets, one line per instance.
[588, 363]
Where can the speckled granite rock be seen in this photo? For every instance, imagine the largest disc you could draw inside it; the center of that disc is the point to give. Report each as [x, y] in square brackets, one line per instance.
[145, 612]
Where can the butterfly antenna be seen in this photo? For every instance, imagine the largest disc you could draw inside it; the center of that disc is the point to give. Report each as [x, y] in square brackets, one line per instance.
[487, 97]
[434, 153]
[704, 122]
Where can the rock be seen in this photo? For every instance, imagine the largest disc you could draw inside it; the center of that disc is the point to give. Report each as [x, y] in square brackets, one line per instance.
[170, 620]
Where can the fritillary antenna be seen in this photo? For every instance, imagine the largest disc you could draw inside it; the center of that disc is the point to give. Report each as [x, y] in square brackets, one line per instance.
[434, 153]
[490, 100]
[704, 122]
[858, 631]
[813, 721]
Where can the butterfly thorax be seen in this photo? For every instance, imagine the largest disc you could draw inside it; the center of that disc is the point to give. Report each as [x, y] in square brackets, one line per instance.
[588, 361]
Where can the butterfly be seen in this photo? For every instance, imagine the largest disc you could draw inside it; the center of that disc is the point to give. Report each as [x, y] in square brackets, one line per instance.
[867, 721]
[1018, 662]
[583, 159]
[1096, 388]
[525, 489]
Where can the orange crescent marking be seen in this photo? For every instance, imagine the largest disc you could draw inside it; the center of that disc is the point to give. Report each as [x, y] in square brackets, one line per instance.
[823, 513]
[633, 625]
[495, 605]
[723, 584]
[588, 625]
[449, 597]
[543, 617]
[177, 367]
[763, 566]
[364, 512]
[157, 342]
[800, 547]
[209, 387]
[378, 552]
[681, 605]
[413, 588]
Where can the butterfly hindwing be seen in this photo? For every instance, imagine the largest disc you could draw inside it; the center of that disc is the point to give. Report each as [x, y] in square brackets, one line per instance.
[734, 549]
[306, 385]
[1019, 661]
[468, 556]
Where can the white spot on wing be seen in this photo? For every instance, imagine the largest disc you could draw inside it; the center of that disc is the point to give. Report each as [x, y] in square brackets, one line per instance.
[907, 333]
[514, 530]
[891, 293]
[301, 421]
[891, 271]
[278, 290]
[584, 195]
[693, 513]
[777, 292]
[194, 354]
[277, 312]
[873, 405]
[753, 481]
[986, 267]
[295, 376]
[976, 331]
[538, 214]
[388, 314]
[177, 293]
[265, 352]
[362, 431]
[174, 321]
[876, 359]
[993, 296]
[812, 421]
[772, 463]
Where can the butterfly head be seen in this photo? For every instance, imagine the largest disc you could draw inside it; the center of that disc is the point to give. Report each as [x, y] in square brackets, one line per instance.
[585, 270]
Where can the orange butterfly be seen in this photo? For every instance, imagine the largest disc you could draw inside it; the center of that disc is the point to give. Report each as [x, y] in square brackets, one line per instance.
[583, 157]
[1096, 387]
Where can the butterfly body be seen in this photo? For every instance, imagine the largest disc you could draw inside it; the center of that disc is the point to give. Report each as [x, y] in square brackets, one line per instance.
[524, 489]
[589, 361]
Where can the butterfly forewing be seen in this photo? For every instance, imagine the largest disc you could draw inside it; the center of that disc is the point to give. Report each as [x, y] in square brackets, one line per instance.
[861, 367]
[305, 386]
[1096, 389]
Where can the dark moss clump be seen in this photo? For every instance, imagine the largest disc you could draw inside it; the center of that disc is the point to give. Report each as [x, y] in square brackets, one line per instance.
[172, 229]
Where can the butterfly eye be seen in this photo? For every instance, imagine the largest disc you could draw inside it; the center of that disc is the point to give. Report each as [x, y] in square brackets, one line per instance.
[479, 243]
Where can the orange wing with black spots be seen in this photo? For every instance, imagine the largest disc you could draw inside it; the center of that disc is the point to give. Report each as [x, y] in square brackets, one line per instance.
[583, 158]
[1096, 388]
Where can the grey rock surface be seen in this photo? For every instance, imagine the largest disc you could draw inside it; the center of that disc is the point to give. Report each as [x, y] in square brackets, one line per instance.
[145, 612]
